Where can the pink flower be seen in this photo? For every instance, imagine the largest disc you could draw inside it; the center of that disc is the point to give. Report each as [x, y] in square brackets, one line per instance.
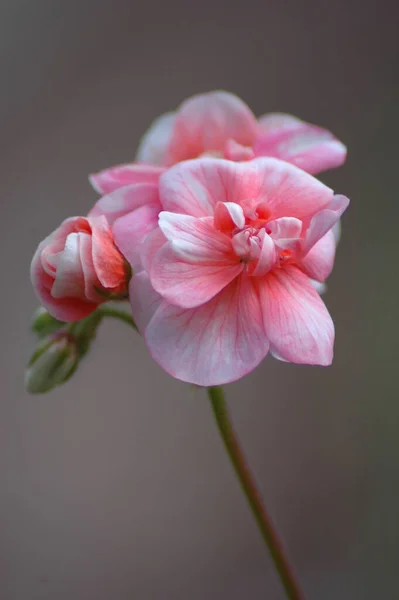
[227, 272]
[78, 267]
[220, 124]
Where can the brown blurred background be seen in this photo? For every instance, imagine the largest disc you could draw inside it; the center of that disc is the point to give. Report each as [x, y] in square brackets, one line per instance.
[116, 485]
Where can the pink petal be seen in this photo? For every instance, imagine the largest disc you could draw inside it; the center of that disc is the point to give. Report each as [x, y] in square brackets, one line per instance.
[195, 187]
[195, 240]
[272, 122]
[190, 284]
[154, 144]
[319, 261]
[235, 151]
[296, 320]
[124, 200]
[91, 281]
[144, 300]
[150, 247]
[267, 257]
[323, 221]
[131, 230]
[69, 280]
[309, 147]
[108, 261]
[216, 343]
[228, 216]
[205, 122]
[286, 232]
[109, 180]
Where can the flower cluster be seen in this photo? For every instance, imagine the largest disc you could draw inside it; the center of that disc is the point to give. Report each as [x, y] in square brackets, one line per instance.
[220, 236]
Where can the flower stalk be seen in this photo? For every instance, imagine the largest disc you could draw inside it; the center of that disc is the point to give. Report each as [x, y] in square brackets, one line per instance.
[248, 486]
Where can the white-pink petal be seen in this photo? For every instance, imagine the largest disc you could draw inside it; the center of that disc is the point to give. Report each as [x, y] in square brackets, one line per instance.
[109, 180]
[195, 187]
[319, 261]
[309, 147]
[190, 284]
[195, 240]
[154, 144]
[323, 221]
[296, 320]
[144, 300]
[124, 200]
[216, 343]
[131, 230]
[69, 281]
[267, 257]
[205, 122]
[228, 216]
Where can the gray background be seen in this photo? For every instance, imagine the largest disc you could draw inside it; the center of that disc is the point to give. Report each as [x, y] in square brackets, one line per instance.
[116, 486]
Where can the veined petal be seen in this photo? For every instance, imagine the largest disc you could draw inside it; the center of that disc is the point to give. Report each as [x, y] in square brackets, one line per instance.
[195, 240]
[108, 261]
[206, 121]
[311, 148]
[109, 180]
[235, 151]
[131, 230]
[69, 280]
[124, 200]
[154, 144]
[228, 216]
[144, 300]
[150, 247]
[195, 187]
[296, 320]
[218, 342]
[319, 261]
[190, 284]
[323, 221]
[267, 257]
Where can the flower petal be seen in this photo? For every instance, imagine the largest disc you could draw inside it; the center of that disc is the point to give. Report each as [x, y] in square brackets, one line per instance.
[235, 151]
[267, 257]
[195, 240]
[190, 284]
[296, 320]
[109, 180]
[144, 300]
[323, 221]
[205, 123]
[131, 230]
[69, 280]
[108, 261]
[228, 216]
[154, 144]
[319, 261]
[218, 342]
[311, 148]
[195, 187]
[124, 200]
[150, 247]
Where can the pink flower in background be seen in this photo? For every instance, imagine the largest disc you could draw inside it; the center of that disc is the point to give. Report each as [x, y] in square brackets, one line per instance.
[78, 267]
[226, 274]
[220, 124]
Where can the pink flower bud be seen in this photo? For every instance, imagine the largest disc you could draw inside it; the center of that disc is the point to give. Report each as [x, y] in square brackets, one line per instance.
[78, 267]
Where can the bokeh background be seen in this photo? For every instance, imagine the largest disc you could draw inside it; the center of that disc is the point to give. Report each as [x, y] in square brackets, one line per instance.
[116, 486]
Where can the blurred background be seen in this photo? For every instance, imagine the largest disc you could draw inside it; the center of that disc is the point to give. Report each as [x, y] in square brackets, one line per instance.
[116, 486]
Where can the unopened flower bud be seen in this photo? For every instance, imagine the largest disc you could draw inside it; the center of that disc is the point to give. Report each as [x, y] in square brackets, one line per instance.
[52, 363]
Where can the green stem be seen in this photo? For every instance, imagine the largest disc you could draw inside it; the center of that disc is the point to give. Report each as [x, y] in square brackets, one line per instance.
[248, 485]
[115, 312]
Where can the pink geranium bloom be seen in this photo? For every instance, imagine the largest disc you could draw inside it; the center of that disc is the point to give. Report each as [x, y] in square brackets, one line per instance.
[225, 275]
[78, 267]
[220, 124]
